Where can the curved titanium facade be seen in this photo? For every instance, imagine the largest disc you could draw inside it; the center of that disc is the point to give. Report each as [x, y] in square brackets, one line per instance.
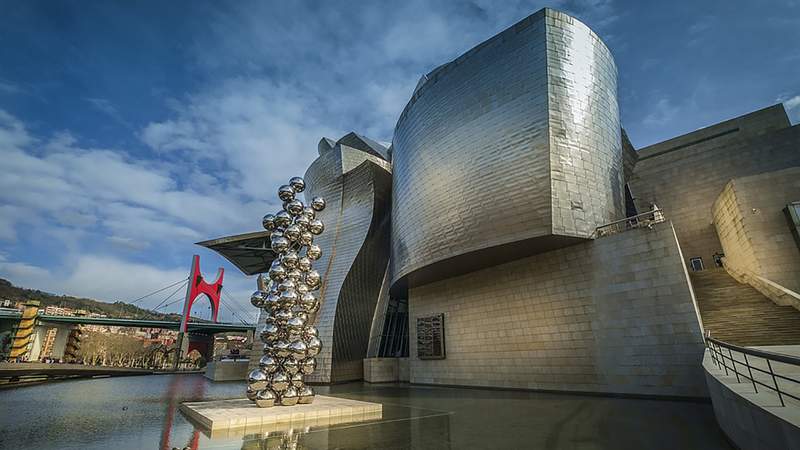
[512, 149]
[355, 180]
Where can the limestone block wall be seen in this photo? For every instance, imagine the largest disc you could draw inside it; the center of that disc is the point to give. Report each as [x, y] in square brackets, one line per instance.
[613, 315]
[685, 175]
[752, 228]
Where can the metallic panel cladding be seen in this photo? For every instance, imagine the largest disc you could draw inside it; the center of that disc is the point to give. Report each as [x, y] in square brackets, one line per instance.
[356, 185]
[511, 149]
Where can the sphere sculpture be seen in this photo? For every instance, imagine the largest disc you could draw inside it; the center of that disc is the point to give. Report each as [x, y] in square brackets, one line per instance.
[288, 296]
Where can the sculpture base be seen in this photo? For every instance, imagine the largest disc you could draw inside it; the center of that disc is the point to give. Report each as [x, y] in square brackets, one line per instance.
[238, 416]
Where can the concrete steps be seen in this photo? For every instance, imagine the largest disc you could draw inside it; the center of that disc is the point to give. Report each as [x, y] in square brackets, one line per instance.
[738, 314]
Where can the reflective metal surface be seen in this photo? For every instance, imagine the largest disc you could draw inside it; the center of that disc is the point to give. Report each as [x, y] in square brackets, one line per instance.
[517, 139]
[289, 344]
[354, 177]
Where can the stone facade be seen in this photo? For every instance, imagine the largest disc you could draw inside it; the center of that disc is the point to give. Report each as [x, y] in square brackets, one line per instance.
[512, 149]
[685, 175]
[752, 227]
[616, 314]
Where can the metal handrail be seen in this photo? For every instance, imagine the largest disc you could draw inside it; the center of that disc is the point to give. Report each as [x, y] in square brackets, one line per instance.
[656, 215]
[720, 359]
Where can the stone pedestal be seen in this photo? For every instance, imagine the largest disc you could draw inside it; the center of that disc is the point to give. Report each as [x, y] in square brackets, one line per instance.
[240, 416]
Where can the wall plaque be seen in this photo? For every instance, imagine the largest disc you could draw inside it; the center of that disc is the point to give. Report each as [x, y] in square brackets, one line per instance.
[430, 337]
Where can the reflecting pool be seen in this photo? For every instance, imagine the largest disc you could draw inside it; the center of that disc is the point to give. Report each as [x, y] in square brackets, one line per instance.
[142, 413]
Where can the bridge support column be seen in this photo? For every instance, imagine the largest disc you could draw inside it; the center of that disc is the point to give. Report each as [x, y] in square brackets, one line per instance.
[24, 334]
[181, 349]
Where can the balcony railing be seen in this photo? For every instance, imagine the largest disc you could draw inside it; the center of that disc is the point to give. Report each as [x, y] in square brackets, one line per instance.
[757, 367]
[643, 220]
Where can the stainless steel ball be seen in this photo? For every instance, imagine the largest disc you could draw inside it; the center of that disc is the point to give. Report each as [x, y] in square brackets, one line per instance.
[268, 222]
[302, 222]
[313, 279]
[270, 333]
[309, 213]
[272, 301]
[302, 315]
[288, 299]
[294, 275]
[257, 379]
[281, 348]
[282, 315]
[316, 226]
[277, 273]
[295, 207]
[266, 398]
[304, 264]
[286, 193]
[298, 349]
[251, 394]
[283, 219]
[302, 288]
[290, 366]
[313, 252]
[292, 233]
[306, 238]
[294, 326]
[290, 259]
[290, 396]
[313, 346]
[306, 395]
[279, 381]
[257, 299]
[309, 302]
[287, 285]
[279, 244]
[308, 366]
[298, 184]
[269, 364]
[297, 380]
[318, 203]
[310, 331]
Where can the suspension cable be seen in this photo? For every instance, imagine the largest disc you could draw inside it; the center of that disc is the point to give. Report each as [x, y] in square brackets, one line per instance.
[157, 291]
[170, 295]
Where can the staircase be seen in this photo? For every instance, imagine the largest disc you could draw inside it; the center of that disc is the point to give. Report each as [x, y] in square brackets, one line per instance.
[738, 314]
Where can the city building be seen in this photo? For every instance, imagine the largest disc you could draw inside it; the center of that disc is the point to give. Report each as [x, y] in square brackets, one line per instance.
[512, 236]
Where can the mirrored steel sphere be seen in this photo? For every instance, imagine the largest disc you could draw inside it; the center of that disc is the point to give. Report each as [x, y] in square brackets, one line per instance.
[294, 275]
[257, 299]
[287, 285]
[268, 364]
[281, 316]
[295, 325]
[292, 233]
[298, 349]
[302, 288]
[251, 394]
[302, 222]
[302, 315]
[279, 244]
[290, 366]
[298, 184]
[313, 279]
[309, 213]
[272, 301]
[313, 346]
[295, 207]
[318, 203]
[297, 380]
[268, 222]
[314, 252]
[309, 332]
[288, 299]
[289, 397]
[306, 395]
[279, 381]
[306, 238]
[286, 193]
[308, 366]
[290, 259]
[266, 398]
[309, 302]
[257, 379]
[283, 219]
[281, 348]
[304, 264]
[277, 273]
[316, 226]
[270, 334]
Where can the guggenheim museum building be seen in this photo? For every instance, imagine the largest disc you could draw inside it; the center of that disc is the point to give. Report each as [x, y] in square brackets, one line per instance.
[512, 236]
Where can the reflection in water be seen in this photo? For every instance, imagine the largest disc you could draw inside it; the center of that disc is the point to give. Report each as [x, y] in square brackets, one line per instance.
[143, 413]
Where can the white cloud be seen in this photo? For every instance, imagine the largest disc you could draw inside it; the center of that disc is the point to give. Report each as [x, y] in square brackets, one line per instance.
[663, 112]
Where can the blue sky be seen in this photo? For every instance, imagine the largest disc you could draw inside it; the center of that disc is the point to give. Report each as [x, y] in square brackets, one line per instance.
[130, 130]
